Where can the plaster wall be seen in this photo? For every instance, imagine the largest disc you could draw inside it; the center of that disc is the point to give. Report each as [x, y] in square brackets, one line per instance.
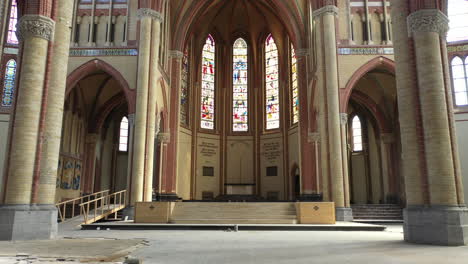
[207, 154]
[184, 163]
[271, 155]
[4, 124]
[240, 160]
[461, 125]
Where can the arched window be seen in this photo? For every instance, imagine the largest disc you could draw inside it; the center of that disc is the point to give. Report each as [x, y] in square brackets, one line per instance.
[457, 12]
[240, 86]
[272, 84]
[184, 92]
[9, 83]
[123, 134]
[357, 133]
[208, 84]
[460, 80]
[295, 91]
[11, 36]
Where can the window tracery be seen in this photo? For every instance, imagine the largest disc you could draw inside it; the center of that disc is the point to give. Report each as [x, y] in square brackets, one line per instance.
[11, 36]
[294, 87]
[460, 80]
[272, 84]
[208, 84]
[123, 134]
[9, 83]
[357, 134]
[457, 13]
[240, 86]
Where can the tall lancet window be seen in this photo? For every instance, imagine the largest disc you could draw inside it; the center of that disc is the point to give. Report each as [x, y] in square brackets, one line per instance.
[184, 90]
[9, 83]
[208, 84]
[123, 134]
[460, 80]
[294, 89]
[240, 86]
[11, 37]
[357, 133]
[272, 84]
[457, 13]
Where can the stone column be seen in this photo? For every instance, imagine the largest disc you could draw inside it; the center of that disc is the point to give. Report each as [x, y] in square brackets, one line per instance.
[18, 218]
[389, 181]
[131, 127]
[55, 102]
[139, 145]
[345, 153]
[436, 213]
[164, 139]
[327, 17]
[90, 159]
[150, 133]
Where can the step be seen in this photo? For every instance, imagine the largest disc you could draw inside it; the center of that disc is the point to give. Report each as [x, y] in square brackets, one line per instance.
[234, 221]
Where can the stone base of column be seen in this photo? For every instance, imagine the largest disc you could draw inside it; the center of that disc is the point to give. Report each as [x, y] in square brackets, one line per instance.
[167, 197]
[128, 213]
[441, 225]
[344, 214]
[28, 222]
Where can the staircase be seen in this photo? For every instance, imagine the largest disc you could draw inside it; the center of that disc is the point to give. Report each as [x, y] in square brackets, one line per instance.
[234, 213]
[377, 213]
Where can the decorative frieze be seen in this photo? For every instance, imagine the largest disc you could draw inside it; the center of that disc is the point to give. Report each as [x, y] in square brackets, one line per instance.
[365, 51]
[164, 137]
[328, 9]
[35, 26]
[313, 137]
[148, 12]
[102, 52]
[457, 48]
[428, 20]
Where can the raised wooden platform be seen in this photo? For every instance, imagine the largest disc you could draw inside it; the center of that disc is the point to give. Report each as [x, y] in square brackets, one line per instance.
[235, 212]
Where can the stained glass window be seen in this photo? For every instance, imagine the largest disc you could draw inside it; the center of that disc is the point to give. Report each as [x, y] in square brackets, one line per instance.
[357, 134]
[184, 93]
[295, 91]
[11, 38]
[272, 84]
[9, 83]
[460, 80]
[123, 135]
[208, 84]
[240, 86]
[457, 13]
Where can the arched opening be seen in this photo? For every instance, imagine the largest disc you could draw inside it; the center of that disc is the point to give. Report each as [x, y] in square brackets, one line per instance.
[373, 136]
[95, 134]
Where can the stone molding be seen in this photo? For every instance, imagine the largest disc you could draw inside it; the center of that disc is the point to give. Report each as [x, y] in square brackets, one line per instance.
[148, 12]
[428, 20]
[35, 26]
[343, 118]
[387, 138]
[313, 137]
[326, 10]
[176, 54]
[164, 137]
[302, 52]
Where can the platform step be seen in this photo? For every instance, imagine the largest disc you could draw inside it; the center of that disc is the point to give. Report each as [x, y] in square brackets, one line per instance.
[377, 211]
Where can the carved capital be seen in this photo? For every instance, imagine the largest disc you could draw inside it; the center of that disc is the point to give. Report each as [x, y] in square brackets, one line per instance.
[176, 54]
[131, 119]
[35, 26]
[313, 137]
[148, 12]
[326, 10]
[164, 137]
[428, 20]
[343, 118]
[92, 138]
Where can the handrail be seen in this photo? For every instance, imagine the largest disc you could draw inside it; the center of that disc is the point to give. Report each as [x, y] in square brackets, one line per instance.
[103, 206]
[62, 206]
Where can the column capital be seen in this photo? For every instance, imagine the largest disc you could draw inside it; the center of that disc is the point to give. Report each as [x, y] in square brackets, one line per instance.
[428, 20]
[343, 118]
[313, 137]
[148, 12]
[35, 26]
[326, 10]
[176, 54]
[92, 138]
[164, 137]
[131, 119]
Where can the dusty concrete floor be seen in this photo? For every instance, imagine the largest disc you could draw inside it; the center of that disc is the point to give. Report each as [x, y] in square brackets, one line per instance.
[257, 247]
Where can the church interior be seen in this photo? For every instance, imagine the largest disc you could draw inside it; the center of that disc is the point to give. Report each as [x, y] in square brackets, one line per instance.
[361, 104]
